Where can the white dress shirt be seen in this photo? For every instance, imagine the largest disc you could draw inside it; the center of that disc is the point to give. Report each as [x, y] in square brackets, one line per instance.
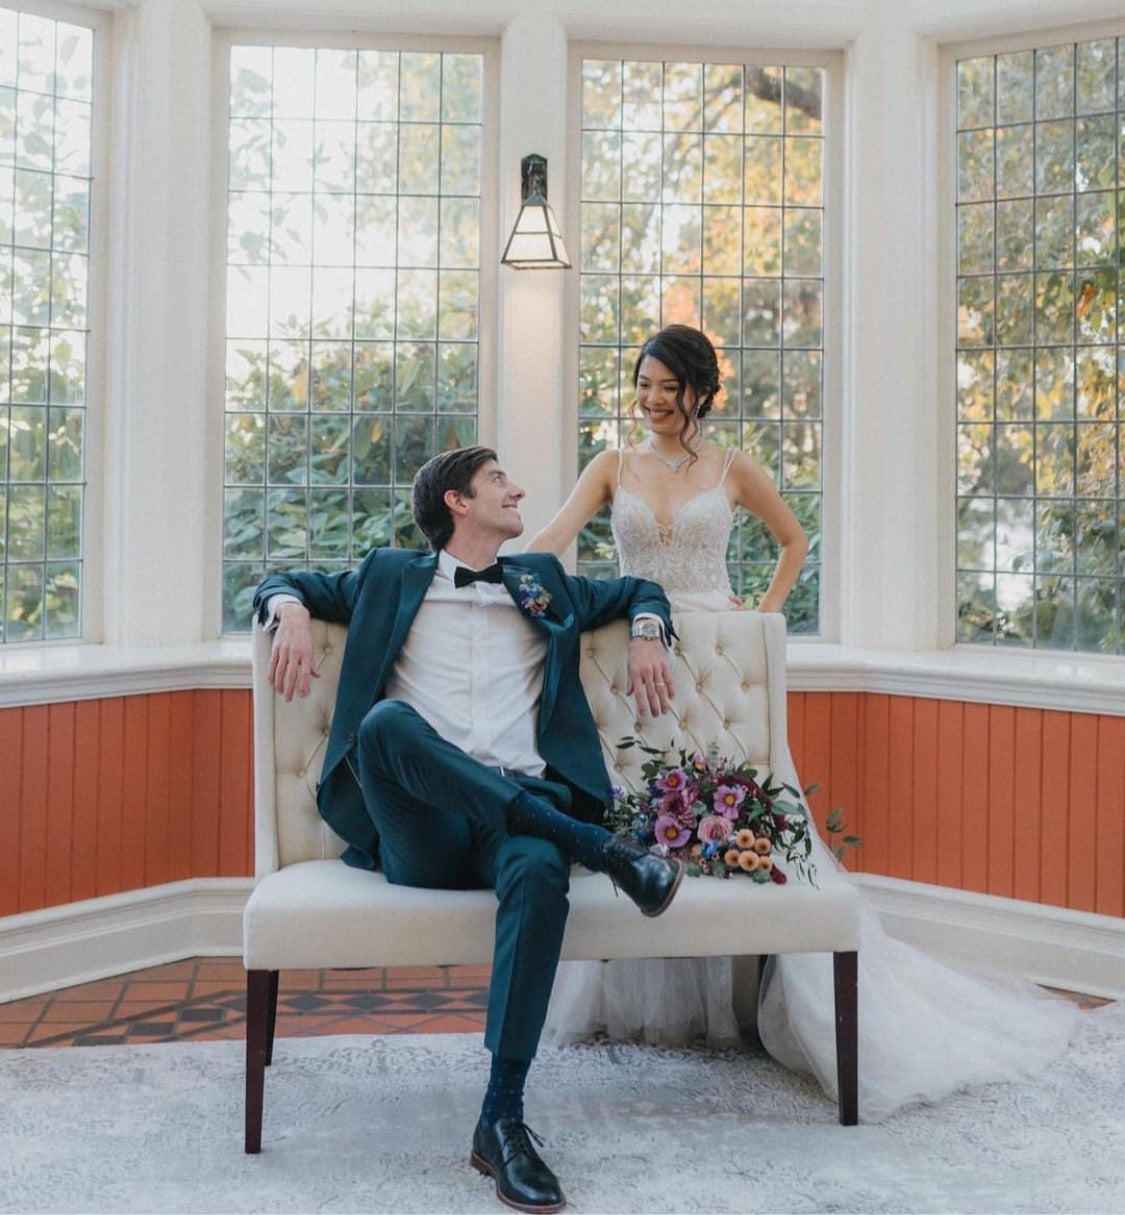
[472, 666]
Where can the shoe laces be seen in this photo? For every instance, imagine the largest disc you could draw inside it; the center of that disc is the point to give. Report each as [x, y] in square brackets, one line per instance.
[520, 1139]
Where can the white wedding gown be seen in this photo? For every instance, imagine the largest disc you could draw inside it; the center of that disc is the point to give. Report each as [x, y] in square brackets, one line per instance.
[928, 1027]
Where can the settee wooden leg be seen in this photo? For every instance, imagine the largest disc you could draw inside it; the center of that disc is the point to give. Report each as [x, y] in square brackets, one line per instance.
[846, 969]
[272, 1023]
[260, 1009]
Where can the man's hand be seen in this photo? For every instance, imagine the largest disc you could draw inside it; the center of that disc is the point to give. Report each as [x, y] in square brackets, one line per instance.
[650, 676]
[291, 659]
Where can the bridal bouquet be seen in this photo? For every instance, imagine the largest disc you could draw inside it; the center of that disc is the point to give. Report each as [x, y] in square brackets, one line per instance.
[714, 814]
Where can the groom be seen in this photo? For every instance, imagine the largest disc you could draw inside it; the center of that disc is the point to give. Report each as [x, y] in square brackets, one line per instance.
[463, 752]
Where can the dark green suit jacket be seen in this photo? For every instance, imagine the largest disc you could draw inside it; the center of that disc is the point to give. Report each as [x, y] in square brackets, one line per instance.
[378, 601]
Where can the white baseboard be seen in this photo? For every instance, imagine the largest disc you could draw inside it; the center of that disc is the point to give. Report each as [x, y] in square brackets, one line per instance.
[1074, 950]
[76, 943]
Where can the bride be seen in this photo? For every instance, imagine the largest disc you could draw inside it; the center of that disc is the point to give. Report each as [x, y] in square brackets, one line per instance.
[927, 1027]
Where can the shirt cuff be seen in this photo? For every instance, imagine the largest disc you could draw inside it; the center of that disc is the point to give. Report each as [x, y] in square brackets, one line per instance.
[272, 604]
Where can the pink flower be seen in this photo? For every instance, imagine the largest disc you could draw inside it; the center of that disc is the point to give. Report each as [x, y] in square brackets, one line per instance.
[728, 799]
[714, 829]
[671, 833]
[673, 781]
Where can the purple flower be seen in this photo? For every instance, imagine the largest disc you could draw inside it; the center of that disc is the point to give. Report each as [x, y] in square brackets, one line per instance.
[670, 832]
[729, 799]
[673, 781]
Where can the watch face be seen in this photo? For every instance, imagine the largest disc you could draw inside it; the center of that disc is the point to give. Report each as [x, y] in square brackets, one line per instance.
[648, 629]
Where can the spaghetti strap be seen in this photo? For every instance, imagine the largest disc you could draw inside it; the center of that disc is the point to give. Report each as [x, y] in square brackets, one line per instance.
[728, 460]
[620, 464]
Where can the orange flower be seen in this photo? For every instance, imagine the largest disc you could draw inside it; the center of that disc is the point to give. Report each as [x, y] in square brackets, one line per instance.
[745, 838]
[749, 861]
[731, 858]
[765, 864]
[762, 846]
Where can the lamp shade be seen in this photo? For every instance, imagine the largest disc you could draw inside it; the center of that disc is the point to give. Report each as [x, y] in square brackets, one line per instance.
[536, 242]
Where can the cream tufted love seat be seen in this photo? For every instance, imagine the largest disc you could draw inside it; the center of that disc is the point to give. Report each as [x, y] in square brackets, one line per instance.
[309, 910]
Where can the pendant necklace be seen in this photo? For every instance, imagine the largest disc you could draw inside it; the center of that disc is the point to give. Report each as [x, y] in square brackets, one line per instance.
[674, 465]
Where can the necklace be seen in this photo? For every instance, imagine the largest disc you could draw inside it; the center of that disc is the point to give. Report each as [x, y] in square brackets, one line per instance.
[674, 465]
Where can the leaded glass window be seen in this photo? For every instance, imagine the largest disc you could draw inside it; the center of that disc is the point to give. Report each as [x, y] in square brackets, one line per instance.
[353, 298]
[1040, 206]
[46, 123]
[703, 202]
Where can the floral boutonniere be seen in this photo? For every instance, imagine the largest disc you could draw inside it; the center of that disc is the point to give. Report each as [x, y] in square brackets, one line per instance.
[533, 597]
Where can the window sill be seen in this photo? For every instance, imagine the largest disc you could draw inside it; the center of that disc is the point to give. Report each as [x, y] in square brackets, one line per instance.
[1076, 683]
[45, 674]
[1072, 683]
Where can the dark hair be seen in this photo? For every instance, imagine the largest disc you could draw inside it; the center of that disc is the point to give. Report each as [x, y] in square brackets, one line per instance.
[689, 355]
[451, 470]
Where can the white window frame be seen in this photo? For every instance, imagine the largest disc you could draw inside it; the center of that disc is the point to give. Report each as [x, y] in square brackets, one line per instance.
[92, 559]
[835, 124]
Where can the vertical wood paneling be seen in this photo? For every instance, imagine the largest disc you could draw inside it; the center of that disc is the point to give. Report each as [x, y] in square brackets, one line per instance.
[975, 796]
[845, 763]
[900, 786]
[59, 779]
[1110, 845]
[157, 866]
[84, 853]
[1082, 810]
[925, 766]
[111, 773]
[181, 792]
[1027, 791]
[118, 794]
[1054, 841]
[1001, 773]
[11, 808]
[237, 810]
[134, 792]
[206, 778]
[947, 867]
[874, 815]
[33, 808]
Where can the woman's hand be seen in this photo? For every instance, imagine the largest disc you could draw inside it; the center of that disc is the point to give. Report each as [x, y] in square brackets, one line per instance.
[650, 676]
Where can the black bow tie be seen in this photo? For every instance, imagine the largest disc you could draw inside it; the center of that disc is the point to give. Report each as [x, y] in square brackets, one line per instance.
[462, 575]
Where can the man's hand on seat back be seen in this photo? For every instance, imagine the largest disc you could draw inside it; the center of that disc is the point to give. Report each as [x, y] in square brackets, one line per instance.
[291, 659]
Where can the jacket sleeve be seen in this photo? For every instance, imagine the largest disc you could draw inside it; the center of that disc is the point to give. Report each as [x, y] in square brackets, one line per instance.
[329, 597]
[597, 601]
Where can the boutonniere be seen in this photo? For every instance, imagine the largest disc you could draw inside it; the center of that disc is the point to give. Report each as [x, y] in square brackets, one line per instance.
[533, 596]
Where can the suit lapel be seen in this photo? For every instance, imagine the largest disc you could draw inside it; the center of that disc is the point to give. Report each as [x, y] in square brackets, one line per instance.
[416, 579]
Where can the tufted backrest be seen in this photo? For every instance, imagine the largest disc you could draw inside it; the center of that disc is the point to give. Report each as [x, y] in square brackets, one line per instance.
[730, 692]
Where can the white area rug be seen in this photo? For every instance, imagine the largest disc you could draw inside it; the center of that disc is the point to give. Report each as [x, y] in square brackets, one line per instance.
[382, 1124]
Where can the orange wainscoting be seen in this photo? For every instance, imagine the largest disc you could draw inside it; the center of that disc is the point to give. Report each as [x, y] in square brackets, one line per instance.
[103, 796]
[1018, 802]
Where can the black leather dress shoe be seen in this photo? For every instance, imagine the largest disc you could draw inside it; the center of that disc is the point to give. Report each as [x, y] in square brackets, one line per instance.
[504, 1151]
[650, 881]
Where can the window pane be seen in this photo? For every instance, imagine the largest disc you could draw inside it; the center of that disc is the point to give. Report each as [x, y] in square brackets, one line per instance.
[721, 170]
[1039, 350]
[353, 297]
[46, 116]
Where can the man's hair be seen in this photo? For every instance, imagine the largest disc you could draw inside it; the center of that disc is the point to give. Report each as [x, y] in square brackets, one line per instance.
[451, 470]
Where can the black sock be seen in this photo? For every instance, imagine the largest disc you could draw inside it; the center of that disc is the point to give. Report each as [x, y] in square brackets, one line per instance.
[504, 1096]
[583, 842]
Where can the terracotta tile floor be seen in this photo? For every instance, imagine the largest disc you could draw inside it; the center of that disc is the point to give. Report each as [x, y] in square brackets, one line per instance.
[205, 998]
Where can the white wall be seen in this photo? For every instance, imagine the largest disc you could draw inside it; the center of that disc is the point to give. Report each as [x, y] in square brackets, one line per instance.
[888, 605]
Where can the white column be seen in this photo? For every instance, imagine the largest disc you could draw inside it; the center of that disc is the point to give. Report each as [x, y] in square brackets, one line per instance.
[889, 502]
[156, 433]
[535, 417]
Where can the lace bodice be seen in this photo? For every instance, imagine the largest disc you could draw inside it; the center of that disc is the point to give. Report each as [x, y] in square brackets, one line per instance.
[687, 555]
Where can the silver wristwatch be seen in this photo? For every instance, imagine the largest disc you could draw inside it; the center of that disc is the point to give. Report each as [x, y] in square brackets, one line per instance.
[650, 630]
